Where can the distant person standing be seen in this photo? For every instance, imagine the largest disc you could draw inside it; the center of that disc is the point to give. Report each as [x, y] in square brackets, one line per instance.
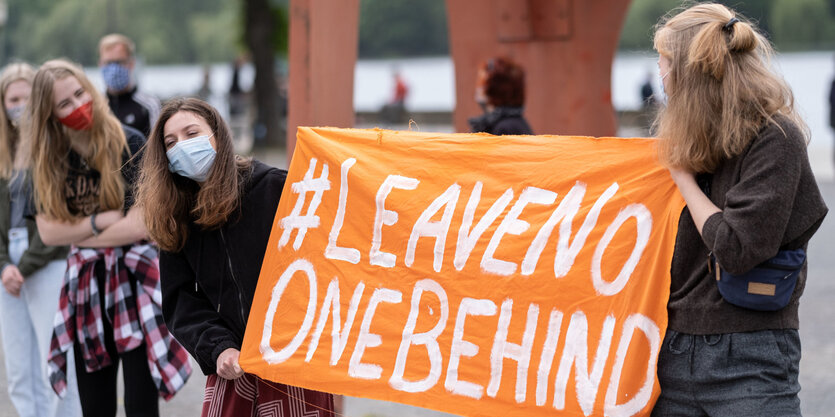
[117, 62]
[647, 92]
[500, 91]
[237, 95]
[205, 91]
[832, 113]
[401, 90]
[395, 110]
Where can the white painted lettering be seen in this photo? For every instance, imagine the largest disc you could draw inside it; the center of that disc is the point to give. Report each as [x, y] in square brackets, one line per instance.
[461, 347]
[267, 352]
[514, 226]
[521, 353]
[439, 230]
[366, 339]
[332, 251]
[644, 394]
[428, 339]
[387, 218]
[466, 239]
[644, 226]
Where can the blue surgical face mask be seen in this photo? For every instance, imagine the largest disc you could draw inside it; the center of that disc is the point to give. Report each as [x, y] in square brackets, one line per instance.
[14, 114]
[192, 158]
[116, 76]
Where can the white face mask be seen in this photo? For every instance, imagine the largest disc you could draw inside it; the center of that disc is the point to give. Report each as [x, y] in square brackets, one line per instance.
[664, 92]
[192, 158]
[14, 114]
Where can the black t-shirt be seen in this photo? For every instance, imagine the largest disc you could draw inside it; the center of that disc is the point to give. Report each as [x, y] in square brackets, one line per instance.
[82, 183]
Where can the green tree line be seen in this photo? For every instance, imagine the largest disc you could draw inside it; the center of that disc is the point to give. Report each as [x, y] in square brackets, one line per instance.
[790, 24]
[182, 31]
[201, 31]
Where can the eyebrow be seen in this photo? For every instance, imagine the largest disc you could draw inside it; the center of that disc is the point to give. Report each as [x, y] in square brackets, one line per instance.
[186, 127]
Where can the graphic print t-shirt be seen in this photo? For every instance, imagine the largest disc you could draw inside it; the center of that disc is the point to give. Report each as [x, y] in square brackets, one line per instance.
[83, 182]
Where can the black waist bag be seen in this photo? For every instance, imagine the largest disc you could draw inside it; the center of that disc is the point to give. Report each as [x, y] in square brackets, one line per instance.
[767, 287]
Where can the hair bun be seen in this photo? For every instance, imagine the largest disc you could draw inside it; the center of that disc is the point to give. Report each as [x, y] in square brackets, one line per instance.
[742, 37]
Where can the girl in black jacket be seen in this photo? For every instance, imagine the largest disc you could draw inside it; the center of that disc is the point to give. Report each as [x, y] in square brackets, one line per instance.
[211, 213]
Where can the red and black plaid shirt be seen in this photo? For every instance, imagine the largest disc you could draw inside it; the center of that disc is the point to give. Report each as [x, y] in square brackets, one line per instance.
[136, 318]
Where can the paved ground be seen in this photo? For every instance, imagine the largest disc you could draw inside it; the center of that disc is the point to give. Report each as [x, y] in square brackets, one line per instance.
[817, 368]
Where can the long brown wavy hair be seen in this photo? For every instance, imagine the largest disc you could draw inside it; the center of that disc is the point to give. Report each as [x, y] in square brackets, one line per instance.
[50, 144]
[10, 134]
[721, 89]
[170, 201]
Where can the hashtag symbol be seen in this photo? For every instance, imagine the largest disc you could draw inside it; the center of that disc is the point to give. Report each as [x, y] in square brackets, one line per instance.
[295, 220]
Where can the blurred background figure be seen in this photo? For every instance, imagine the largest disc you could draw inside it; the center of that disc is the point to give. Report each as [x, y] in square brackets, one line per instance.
[395, 110]
[500, 91]
[240, 111]
[117, 62]
[832, 115]
[32, 272]
[647, 92]
[205, 91]
[237, 96]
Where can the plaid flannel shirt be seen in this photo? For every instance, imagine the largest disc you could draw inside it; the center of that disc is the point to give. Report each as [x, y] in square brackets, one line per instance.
[136, 318]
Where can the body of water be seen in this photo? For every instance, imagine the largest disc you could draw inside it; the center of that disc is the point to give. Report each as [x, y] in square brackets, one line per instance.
[432, 87]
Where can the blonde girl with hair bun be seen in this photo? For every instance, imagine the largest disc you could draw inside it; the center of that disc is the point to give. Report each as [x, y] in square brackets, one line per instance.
[736, 149]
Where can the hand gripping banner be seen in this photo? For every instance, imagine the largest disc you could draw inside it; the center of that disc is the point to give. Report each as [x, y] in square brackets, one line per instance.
[468, 273]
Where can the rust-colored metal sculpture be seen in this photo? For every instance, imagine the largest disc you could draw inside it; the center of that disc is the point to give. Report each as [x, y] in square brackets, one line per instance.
[566, 47]
[322, 55]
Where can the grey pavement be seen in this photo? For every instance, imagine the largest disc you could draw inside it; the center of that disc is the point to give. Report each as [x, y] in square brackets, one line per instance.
[817, 314]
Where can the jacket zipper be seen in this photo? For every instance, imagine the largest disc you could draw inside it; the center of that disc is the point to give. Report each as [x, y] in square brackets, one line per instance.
[234, 280]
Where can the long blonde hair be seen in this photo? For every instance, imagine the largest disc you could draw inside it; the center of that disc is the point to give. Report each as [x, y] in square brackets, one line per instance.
[10, 134]
[721, 88]
[50, 144]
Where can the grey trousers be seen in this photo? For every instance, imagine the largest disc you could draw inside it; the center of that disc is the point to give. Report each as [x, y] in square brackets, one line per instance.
[734, 374]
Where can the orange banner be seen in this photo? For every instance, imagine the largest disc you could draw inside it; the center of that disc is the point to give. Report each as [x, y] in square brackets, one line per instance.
[467, 273]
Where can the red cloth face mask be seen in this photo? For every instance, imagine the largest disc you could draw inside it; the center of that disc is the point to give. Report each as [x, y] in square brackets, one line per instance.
[80, 118]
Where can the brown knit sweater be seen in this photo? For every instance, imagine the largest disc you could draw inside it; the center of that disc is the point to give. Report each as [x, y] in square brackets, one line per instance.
[769, 200]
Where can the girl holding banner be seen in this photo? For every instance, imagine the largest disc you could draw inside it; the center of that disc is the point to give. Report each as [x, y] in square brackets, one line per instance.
[737, 151]
[211, 213]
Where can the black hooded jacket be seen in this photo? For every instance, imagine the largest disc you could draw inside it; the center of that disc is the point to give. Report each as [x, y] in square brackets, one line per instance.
[208, 286]
[501, 121]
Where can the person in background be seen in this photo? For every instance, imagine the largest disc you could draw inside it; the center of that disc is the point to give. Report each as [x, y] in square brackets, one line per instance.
[84, 164]
[647, 92]
[117, 60]
[500, 91]
[832, 115]
[736, 149]
[205, 91]
[31, 271]
[211, 213]
[394, 111]
[238, 100]
[401, 90]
